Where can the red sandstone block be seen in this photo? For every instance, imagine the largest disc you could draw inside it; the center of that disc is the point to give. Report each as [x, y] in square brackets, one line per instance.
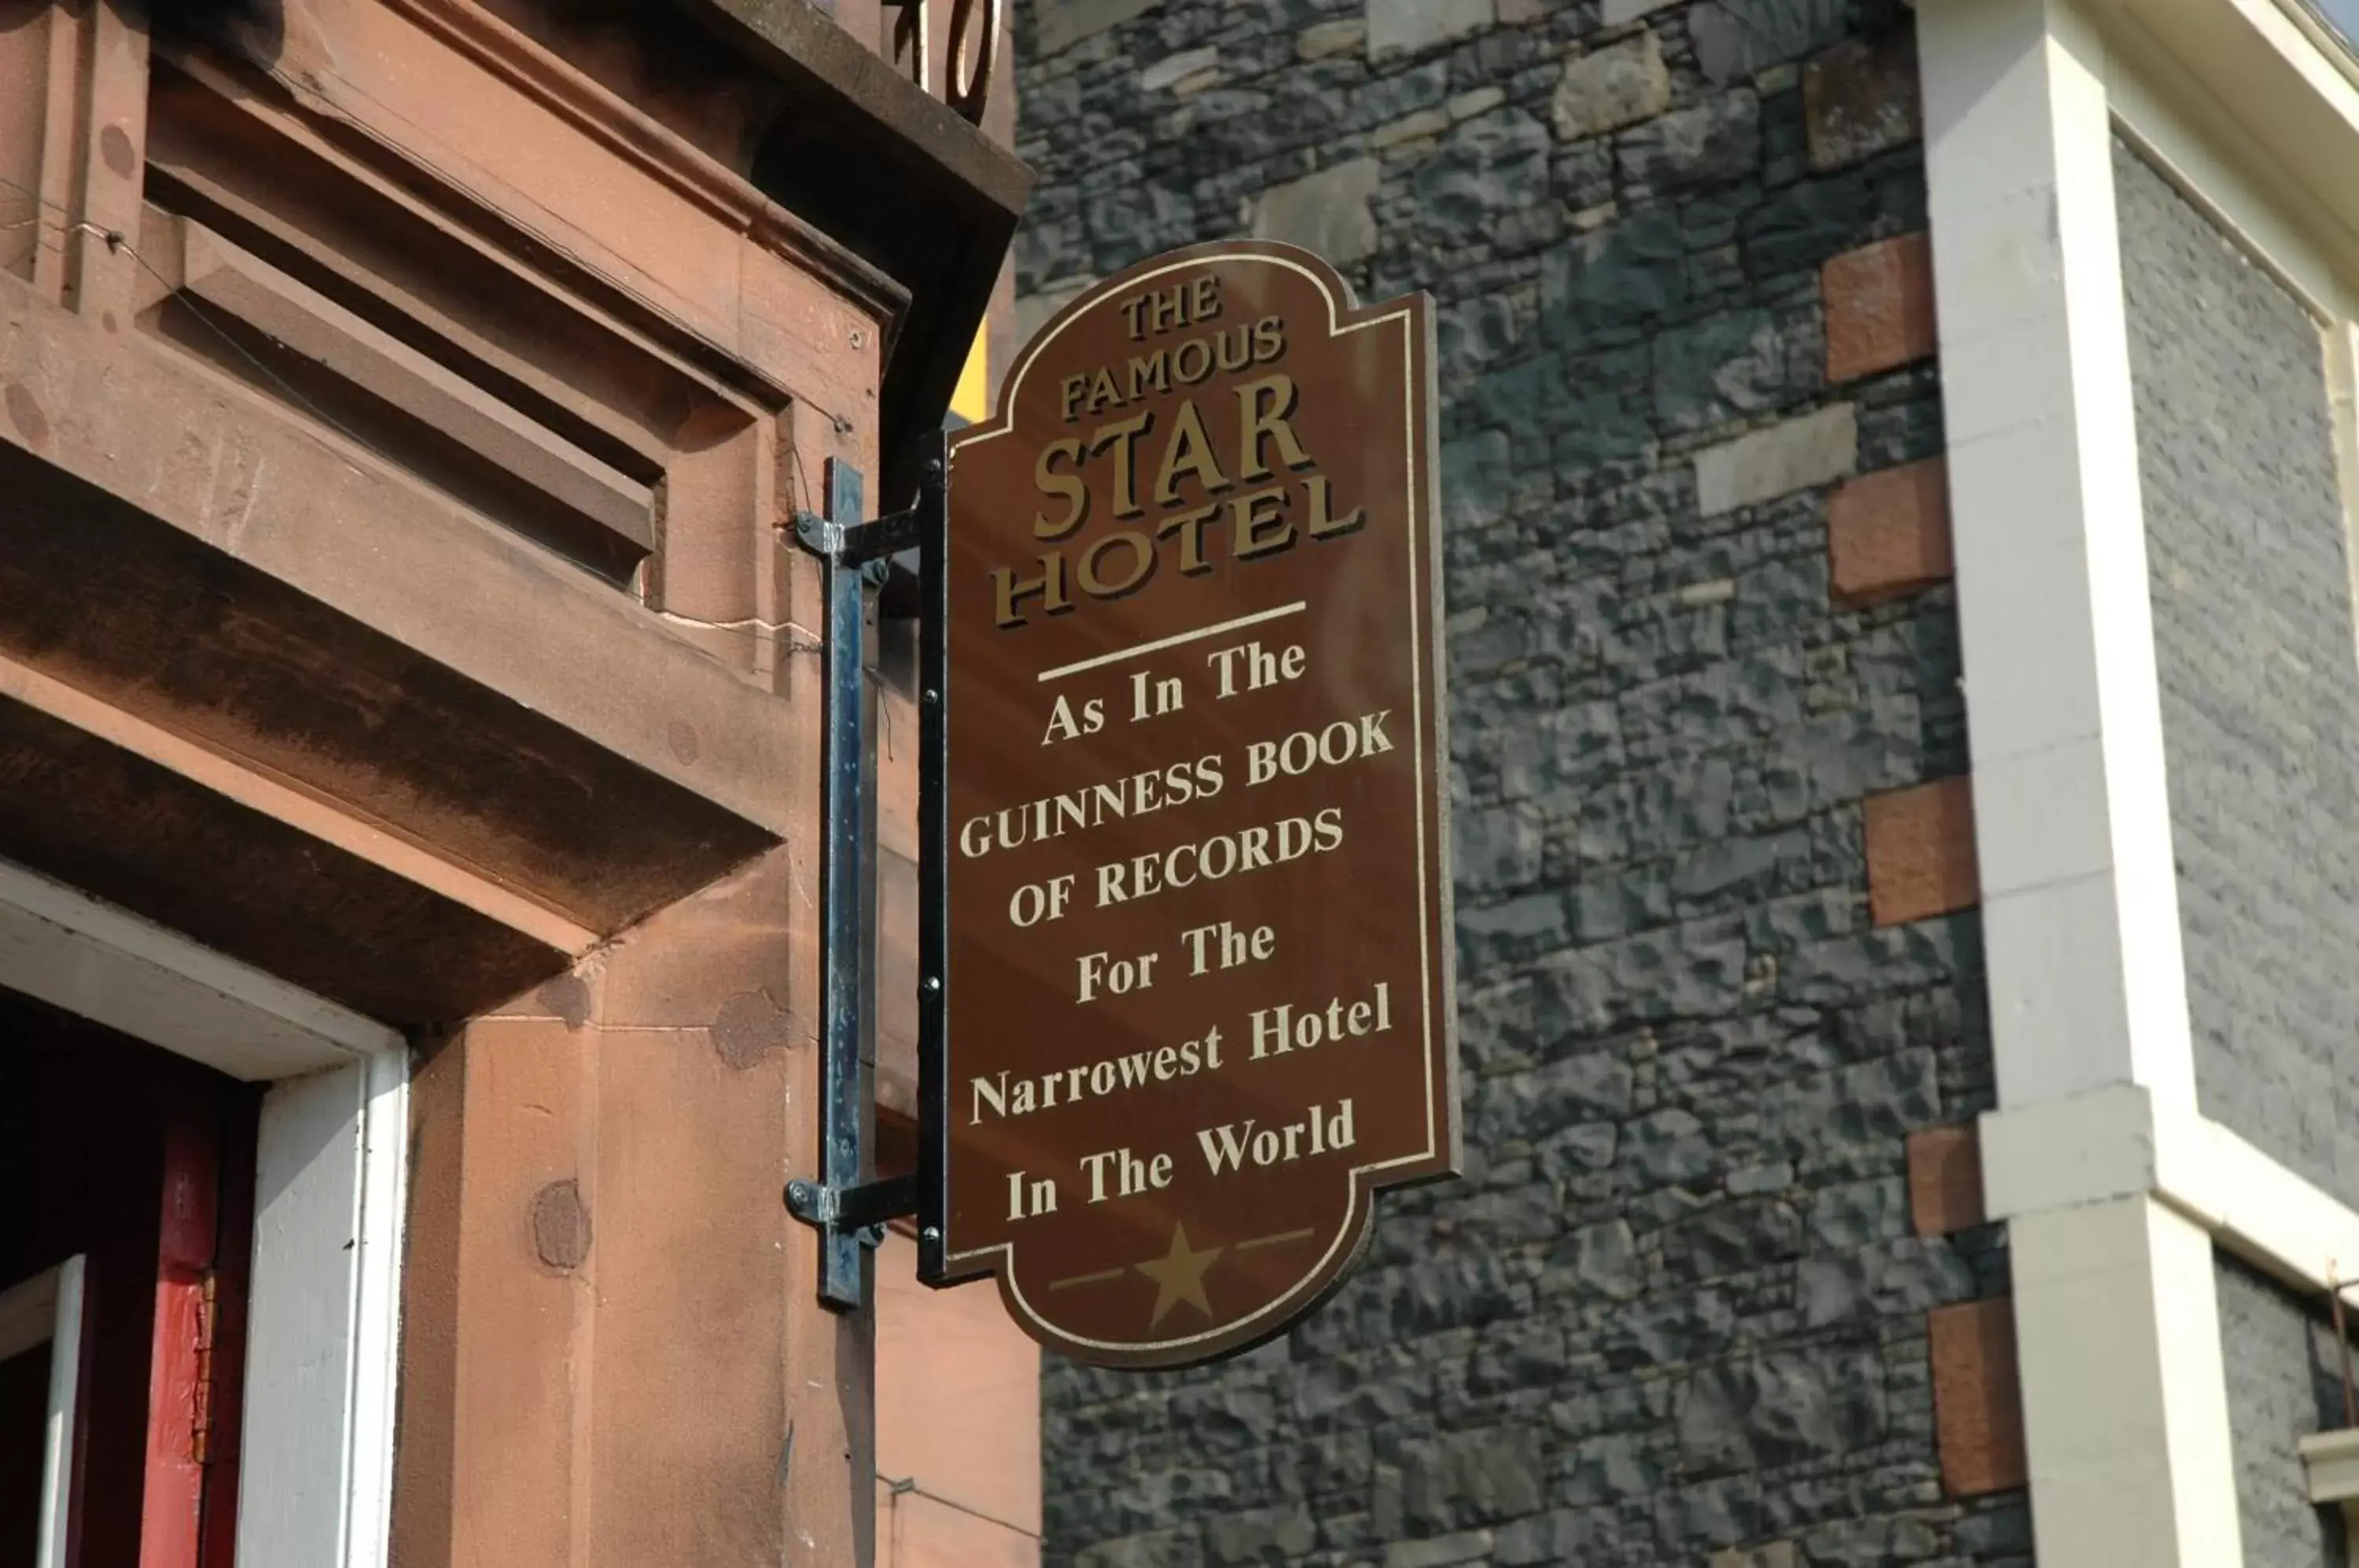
[1920, 852]
[1977, 1398]
[1879, 304]
[1888, 532]
[1945, 1180]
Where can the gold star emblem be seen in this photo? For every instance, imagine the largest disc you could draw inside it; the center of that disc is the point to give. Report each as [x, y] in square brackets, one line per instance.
[1179, 1276]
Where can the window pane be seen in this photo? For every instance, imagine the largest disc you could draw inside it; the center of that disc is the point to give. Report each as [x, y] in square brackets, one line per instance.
[2342, 15]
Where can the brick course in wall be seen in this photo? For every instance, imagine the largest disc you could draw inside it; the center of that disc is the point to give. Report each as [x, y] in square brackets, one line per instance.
[1920, 851]
[1977, 1403]
[1945, 1180]
[1677, 1313]
[1888, 532]
[1879, 302]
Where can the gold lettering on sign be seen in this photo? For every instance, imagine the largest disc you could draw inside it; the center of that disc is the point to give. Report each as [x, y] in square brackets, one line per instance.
[1194, 476]
[1195, 853]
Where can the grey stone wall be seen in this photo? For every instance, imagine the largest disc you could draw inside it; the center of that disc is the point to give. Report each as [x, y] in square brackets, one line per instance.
[2251, 589]
[2285, 1382]
[1674, 1313]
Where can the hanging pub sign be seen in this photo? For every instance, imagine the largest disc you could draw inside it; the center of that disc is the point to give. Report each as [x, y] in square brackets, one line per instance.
[1199, 1005]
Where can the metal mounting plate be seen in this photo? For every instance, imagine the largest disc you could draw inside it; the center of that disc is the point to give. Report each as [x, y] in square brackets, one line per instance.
[846, 1203]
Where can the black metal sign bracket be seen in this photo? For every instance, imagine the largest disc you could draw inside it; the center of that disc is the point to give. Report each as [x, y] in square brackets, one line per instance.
[847, 1204]
[860, 544]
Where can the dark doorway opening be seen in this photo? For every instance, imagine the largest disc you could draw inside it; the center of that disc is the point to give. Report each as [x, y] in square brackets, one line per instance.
[140, 1164]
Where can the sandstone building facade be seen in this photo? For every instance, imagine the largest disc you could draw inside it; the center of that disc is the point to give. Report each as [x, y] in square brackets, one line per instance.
[1899, 467]
[411, 707]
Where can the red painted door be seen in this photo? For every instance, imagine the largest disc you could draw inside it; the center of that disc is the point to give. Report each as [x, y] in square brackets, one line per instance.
[179, 1383]
[189, 1514]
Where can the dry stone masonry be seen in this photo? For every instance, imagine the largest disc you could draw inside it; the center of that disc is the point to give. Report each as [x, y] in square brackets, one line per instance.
[1678, 1312]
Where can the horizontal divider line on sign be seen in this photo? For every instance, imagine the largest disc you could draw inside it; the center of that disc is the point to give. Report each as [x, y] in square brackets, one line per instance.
[1159, 644]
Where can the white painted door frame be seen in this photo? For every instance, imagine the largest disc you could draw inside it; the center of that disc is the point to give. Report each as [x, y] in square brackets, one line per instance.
[316, 1479]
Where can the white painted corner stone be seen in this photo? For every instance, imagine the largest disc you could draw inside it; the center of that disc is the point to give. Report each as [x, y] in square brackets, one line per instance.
[2124, 1397]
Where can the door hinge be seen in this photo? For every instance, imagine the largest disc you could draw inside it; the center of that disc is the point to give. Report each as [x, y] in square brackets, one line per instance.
[201, 1417]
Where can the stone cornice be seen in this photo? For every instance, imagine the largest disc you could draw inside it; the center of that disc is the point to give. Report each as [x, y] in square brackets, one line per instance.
[797, 42]
[639, 140]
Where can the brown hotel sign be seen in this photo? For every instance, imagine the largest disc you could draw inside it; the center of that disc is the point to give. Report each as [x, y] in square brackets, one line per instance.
[1200, 937]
